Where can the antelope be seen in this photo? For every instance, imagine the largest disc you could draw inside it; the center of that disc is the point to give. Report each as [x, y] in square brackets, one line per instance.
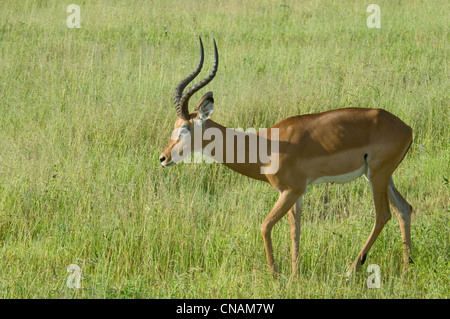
[335, 146]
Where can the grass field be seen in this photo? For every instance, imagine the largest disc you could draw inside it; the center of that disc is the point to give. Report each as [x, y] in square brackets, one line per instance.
[85, 113]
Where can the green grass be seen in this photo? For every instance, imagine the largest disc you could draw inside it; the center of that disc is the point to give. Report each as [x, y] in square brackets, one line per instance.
[85, 113]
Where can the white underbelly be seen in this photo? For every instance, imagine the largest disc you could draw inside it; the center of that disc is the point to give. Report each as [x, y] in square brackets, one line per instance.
[341, 179]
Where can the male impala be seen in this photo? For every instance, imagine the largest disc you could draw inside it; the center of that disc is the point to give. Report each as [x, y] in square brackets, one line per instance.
[335, 146]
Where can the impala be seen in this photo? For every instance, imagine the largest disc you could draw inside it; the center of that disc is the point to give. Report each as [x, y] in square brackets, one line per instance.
[336, 146]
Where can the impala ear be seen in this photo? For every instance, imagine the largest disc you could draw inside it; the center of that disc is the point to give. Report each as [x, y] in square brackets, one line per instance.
[205, 106]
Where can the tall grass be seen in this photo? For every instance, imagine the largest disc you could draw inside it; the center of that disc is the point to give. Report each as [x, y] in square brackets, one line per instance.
[84, 114]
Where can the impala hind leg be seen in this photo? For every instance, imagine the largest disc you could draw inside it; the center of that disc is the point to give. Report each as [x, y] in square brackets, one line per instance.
[294, 225]
[403, 211]
[383, 215]
[284, 203]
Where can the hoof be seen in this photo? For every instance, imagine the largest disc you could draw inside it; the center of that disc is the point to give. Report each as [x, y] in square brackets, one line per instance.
[363, 259]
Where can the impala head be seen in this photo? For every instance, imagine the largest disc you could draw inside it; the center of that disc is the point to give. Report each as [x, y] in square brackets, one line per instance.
[181, 142]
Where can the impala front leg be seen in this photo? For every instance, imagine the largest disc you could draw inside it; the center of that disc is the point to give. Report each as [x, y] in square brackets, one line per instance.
[284, 203]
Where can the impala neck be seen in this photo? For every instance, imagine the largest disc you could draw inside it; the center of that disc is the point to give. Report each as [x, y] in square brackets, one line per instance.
[236, 150]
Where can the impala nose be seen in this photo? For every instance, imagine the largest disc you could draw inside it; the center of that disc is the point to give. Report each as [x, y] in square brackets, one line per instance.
[162, 159]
